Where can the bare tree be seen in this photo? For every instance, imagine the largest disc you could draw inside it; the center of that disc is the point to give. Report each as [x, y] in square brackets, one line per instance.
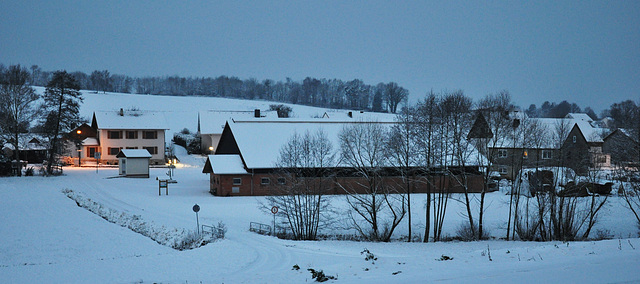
[394, 95]
[17, 101]
[489, 131]
[426, 121]
[457, 119]
[402, 153]
[305, 168]
[369, 194]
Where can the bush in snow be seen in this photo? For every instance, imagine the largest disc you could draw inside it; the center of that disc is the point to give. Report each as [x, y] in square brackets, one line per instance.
[319, 276]
[467, 233]
[179, 239]
[188, 140]
[190, 241]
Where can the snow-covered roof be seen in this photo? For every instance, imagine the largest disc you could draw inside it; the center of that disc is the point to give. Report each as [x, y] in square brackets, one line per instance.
[592, 134]
[138, 119]
[260, 142]
[29, 141]
[579, 116]
[226, 164]
[90, 141]
[549, 127]
[213, 121]
[133, 153]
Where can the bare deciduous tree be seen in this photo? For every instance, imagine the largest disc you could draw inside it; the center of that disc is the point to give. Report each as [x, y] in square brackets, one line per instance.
[16, 104]
[370, 196]
[402, 154]
[305, 168]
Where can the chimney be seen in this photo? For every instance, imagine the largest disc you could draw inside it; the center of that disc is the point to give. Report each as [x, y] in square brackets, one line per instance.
[256, 113]
[350, 114]
[121, 112]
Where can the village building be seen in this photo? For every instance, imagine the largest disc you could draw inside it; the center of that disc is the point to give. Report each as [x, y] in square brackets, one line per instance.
[623, 147]
[33, 148]
[571, 142]
[112, 131]
[245, 161]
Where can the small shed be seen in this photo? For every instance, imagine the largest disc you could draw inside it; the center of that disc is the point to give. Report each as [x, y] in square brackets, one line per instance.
[134, 162]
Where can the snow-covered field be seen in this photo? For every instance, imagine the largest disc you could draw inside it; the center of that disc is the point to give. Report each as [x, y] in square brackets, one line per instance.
[46, 238]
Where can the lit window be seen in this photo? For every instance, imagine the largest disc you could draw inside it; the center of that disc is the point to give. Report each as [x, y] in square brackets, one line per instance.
[525, 154]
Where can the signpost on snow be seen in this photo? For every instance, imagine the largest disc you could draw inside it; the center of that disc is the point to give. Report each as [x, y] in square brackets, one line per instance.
[196, 208]
[97, 155]
[274, 210]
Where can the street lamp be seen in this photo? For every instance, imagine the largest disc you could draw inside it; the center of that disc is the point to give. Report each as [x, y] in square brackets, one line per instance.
[79, 144]
[211, 149]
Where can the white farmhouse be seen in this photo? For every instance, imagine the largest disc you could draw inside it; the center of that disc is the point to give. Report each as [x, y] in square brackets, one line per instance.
[130, 129]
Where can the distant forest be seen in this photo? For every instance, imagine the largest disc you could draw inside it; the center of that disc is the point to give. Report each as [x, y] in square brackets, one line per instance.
[329, 93]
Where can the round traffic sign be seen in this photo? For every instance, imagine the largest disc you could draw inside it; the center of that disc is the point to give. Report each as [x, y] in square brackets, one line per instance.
[274, 209]
[196, 208]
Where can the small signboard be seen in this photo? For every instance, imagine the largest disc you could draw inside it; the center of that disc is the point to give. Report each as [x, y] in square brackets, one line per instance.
[274, 209]
[196, 208]
[97, 155]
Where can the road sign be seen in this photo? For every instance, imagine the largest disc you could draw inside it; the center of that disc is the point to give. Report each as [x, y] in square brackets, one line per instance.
[274, 209]
[196, 208]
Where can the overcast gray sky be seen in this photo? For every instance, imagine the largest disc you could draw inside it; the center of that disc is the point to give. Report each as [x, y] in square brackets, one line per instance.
[586, 52]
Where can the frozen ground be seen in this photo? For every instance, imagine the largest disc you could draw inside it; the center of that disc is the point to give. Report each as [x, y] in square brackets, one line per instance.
[46, 237]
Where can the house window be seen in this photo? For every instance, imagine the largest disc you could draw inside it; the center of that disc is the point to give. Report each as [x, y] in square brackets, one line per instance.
[502, 153]
[502, 170]
[525, 154]
[132, 134]
[114, 151]
[546, 154]
[265, 181]
[151, 150]
[235, 189]
[114, 134]
[574, 139]
[132, 148]
[282, 181]
[149, 134]
[91, 152]
[237, 181]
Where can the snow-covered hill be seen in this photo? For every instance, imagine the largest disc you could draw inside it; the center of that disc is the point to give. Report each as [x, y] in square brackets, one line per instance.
[182, 112]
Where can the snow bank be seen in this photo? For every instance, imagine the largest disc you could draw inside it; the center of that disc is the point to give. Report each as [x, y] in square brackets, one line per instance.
[179, 239]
